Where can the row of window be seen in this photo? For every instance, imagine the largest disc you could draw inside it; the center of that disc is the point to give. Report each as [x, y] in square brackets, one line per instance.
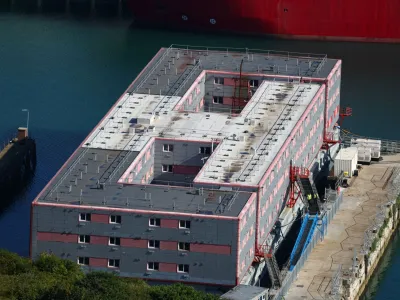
[155, 266]
[170, 148]
[116, 241]
[156, 222]
[115, 263]
[86, 217]
[220, 80]
[84, 261]
[116, 219]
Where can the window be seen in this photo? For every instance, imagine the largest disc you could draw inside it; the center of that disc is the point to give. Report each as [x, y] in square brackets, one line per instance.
[253, 83]
[114, 241]
[113, 263]
[115, 219]
[153, 266]
[184, 224]
[167, 168]
[154, 244]
[183, 246]
[154, 222]
[84, 217]
[168, 148]
[84, 239]
[218, 80]
[84, 261]
[218, 100]
[183, 268]
[205, 150]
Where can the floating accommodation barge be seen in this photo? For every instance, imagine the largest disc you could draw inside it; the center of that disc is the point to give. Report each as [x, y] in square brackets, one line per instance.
[186, 176]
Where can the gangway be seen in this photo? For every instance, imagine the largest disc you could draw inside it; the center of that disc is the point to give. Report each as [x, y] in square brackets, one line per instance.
[305, 187]
[310, 194]
[274, 272]
[303, 239]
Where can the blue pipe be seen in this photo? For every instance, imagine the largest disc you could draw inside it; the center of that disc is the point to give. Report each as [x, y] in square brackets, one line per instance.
[296, 245]
[310, 234]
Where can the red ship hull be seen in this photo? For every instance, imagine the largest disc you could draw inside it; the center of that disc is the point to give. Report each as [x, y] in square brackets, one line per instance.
[371, 20]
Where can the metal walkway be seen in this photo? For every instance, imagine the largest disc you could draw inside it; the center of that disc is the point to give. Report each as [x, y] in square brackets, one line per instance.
[310, 194]
[273, 271]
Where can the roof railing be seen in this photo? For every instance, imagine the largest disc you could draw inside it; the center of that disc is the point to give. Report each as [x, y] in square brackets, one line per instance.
[227, 50]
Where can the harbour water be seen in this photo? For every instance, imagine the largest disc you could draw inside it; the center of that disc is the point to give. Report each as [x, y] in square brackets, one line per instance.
[68, 73]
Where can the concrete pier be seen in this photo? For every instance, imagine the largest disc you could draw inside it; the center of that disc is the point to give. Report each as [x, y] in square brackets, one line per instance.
[341, 264]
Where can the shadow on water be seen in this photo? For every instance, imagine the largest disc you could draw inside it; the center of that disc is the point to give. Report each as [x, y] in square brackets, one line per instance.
[17, 192]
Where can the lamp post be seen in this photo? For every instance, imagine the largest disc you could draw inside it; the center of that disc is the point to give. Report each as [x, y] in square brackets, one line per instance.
[27, 119]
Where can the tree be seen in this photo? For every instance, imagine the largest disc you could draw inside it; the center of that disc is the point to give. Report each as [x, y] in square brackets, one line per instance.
[178, 291]
[104, 285]
[50, 263]
[31, 286]
[12, 264]
[52, 278]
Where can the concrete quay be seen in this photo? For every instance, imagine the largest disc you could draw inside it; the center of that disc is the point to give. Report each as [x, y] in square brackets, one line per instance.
[356, 237]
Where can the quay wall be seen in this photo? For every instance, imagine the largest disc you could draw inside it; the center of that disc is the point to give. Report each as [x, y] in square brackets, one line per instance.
[355, 288]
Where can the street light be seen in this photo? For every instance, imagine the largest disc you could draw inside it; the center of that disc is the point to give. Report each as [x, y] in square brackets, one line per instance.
[27, 119]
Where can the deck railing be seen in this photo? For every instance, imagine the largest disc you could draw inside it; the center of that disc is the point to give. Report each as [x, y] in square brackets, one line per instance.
[387, 146]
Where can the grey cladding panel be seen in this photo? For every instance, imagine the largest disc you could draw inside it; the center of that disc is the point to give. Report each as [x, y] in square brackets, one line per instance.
[249, 228]
[205, 265]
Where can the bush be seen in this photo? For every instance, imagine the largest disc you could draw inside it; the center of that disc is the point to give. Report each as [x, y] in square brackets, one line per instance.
[52, 278]
[104, 285]
[49, 263]
[12, 264]
[31, 286]
[178, 291]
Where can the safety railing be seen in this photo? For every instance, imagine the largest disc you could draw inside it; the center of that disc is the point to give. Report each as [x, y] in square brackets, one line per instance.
[285, 54]
[387, 146]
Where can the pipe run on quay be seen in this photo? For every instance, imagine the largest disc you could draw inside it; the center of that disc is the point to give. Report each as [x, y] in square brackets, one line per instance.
[341, 265]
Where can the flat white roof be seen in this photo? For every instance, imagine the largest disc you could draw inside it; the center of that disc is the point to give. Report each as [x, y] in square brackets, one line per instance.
[120, 129]
[256, 136]
[248, 142]
[349, 153]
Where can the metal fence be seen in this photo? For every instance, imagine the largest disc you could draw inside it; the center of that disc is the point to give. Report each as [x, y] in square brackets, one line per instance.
[227, 50]
[387, 146]
[332, 208]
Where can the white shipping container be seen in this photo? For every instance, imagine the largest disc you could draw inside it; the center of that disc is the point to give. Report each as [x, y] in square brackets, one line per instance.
[346, 161]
